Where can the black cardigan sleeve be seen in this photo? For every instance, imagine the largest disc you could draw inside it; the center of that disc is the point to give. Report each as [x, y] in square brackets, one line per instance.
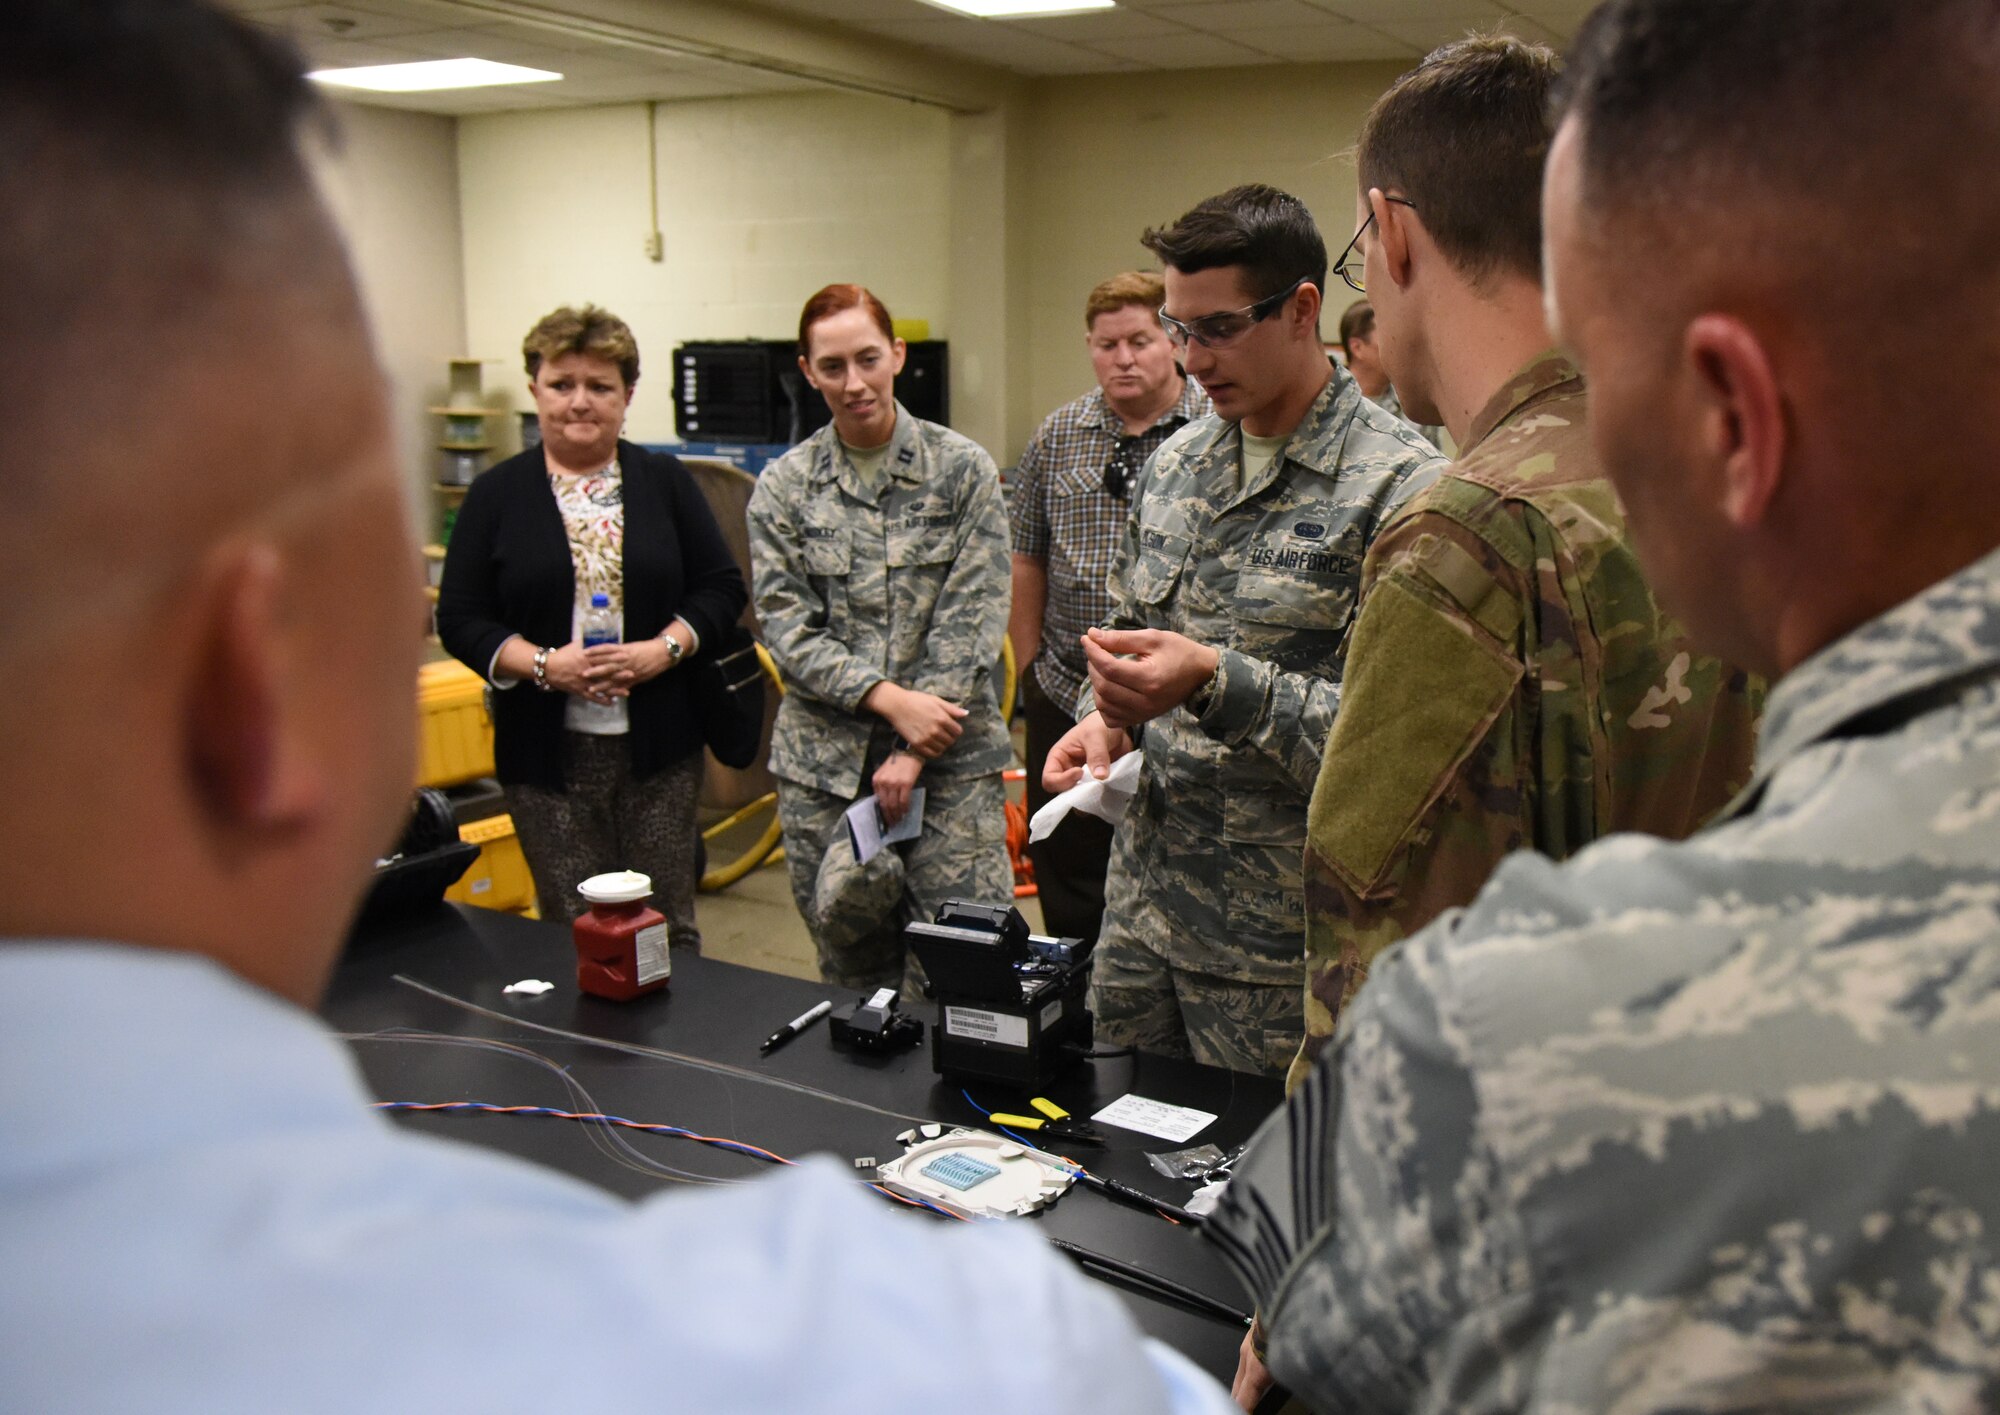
[468, 611]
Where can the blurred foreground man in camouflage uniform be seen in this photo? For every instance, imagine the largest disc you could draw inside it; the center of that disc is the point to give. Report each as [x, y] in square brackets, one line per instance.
[1233, 591]
[1712, 1125]
[1511, 682]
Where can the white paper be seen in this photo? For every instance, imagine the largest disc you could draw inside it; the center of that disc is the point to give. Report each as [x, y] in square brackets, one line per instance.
[1105, 799]
[1169, 1122]
[528, 987]
[870, 832]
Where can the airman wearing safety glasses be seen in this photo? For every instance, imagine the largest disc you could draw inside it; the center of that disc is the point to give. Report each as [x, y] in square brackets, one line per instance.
[1221, 660]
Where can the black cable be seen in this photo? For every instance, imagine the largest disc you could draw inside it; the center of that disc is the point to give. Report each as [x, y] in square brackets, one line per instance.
[1149, 1282]
[1152, 1283]
[1138, 1198]
[721, 1068]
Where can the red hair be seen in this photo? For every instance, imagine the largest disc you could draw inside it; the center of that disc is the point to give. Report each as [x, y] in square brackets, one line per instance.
[836, 299]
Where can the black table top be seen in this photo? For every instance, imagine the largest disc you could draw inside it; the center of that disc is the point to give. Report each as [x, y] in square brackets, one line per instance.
[442, 972]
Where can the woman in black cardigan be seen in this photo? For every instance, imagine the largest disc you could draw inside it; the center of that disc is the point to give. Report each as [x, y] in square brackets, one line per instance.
[599, 748]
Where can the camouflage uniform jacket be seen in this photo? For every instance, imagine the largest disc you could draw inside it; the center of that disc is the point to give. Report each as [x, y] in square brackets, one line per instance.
[905, 581]
[1511, 683]
[1265, 574]
[1682, 1127]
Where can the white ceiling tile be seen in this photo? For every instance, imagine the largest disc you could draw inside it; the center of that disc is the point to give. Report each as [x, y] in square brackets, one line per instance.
[1336, 43]
[342, 21]
[1028, 52]
[1233, 16]
[1559, 14]
[604, 62]
[1121, 23]
[1559, 20]
[550, 37]
[1429, 34]
[931, 27]
[351, 54]
[1534, 29]
[1183, 51]
[1393, 12]
[434, 14]
[849, 11]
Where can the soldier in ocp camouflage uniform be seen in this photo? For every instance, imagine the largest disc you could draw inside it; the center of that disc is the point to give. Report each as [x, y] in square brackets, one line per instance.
[1511, 684]
[877, 568]
[1712, 1125]
[1511, 681]
[1258, 564]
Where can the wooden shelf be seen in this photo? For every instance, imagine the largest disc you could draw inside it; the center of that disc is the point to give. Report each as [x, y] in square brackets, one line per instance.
[465, 445]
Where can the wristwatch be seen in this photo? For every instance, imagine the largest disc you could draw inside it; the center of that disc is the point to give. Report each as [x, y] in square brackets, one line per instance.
[674, 649]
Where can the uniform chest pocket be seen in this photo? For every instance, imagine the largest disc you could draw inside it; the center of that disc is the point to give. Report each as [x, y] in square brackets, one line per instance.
[909, 546]
[827, 551]
[1279, 604]
[1157, 568]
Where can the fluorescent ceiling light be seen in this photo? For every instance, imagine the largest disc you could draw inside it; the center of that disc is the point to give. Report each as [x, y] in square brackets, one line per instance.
[1014, 9]
[431, 74]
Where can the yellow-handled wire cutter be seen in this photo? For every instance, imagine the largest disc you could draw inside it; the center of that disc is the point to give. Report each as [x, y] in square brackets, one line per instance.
[1053, 1120]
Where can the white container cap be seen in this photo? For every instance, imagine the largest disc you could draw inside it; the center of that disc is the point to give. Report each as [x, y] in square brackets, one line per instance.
[618, 887]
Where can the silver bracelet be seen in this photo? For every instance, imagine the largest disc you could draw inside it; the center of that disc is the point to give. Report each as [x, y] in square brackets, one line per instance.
[542, 670]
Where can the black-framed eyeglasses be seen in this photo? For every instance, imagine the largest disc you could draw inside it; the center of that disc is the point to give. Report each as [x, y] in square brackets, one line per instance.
[1348, 267]
[1213, 331]
[1125, 464]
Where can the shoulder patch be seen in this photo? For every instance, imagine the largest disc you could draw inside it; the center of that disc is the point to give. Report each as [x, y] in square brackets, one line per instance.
[1422, 693]
[1471, 585]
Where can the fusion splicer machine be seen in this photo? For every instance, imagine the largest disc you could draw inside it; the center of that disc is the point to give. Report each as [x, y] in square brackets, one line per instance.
[1012, 1006]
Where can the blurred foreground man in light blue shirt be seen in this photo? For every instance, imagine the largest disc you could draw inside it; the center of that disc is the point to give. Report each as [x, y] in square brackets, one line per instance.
[208, 626]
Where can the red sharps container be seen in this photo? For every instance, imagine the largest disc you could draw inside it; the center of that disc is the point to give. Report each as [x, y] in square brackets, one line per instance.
[621, 945]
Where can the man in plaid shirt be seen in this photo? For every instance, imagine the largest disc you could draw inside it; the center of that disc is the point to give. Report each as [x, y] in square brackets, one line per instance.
[1072, 495]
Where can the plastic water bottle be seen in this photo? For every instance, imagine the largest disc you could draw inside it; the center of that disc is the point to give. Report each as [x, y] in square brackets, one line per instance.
[600, 624]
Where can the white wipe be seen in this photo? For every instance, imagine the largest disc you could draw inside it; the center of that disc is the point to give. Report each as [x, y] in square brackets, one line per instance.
[1206, 1198]
[529, 987]
[1106, 799]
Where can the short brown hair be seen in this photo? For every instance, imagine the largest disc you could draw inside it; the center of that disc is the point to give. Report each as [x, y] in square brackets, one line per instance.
[1357, 321]
[1134, 287]
[1267, 232]
[831, 300]
[595, 332]
[1465, 136]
